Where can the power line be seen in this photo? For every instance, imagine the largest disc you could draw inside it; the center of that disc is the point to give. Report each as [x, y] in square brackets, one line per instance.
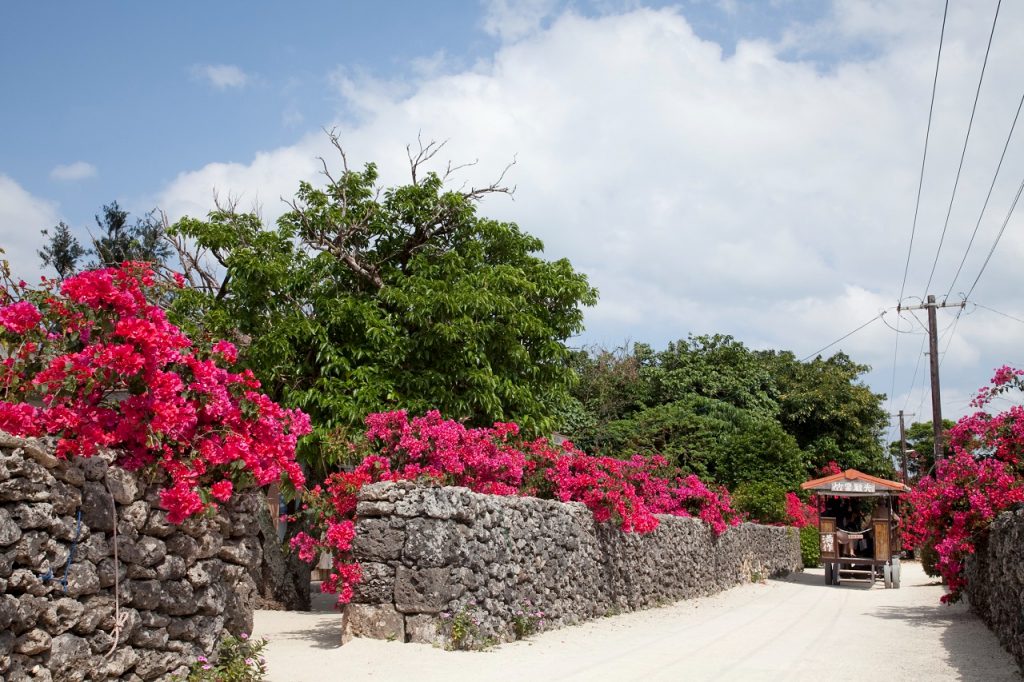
[924, 157]
[843, 337]
[952, 333]
[1015, 319]
[900, 331]
[963, 152]
[987, 197]
[917, 367]
[998, 237]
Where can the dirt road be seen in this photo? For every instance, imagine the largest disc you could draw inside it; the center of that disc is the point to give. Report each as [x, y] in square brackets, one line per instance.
[794, 629]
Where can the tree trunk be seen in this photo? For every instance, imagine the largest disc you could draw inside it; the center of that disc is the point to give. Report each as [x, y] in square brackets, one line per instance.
[283, 578]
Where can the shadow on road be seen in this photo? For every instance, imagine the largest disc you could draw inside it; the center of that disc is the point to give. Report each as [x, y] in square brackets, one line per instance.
[958, 629]
[313, 630]
[815, 577]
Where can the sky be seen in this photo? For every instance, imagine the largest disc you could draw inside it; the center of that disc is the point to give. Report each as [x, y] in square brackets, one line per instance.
[714, 166]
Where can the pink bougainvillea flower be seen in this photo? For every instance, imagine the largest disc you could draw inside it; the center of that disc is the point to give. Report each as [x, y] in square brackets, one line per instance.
[20, 317]
[98, 365]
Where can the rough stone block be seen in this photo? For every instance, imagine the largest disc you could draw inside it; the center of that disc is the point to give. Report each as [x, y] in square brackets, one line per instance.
[375, 622]
[422, 590]
[377, 585]
[10, 532]
[424, 629]
[431, 543]
[32, 642]
[70, 657]
[377, 541]
[122, 485]
[97, 507]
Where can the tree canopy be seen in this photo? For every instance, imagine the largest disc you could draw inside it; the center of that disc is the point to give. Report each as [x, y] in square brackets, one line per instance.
[116, 241]
[723, 411]
[921, 447]
[362, 299]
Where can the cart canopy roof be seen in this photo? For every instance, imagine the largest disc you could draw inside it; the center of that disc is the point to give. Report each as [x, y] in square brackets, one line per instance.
[853, 483]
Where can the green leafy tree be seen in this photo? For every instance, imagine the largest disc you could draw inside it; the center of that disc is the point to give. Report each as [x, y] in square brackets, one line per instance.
[832, 414]
[118, 240]
[714, 366]
[725, 412]
[62, 250]
[921, 443]
[362, 299]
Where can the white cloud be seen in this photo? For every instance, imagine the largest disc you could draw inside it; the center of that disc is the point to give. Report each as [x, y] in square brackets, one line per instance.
[22, 216]
[753, 194]
[515, 19]
[79, 170]
[221, 76]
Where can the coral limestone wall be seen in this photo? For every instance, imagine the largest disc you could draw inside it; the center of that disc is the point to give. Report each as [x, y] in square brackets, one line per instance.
[995, 581]
[446, 565]
[179, 588]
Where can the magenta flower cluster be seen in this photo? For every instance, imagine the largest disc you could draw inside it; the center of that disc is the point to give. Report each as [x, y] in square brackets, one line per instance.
[93, 362]
[498, 461]
[953, 507]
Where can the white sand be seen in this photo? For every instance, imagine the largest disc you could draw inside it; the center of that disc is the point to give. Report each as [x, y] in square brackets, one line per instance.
[794, 629]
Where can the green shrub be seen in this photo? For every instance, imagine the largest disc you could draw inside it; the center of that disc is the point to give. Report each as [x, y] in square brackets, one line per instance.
[810, 547]
[929, 557]
[239, 660]
[763, 501]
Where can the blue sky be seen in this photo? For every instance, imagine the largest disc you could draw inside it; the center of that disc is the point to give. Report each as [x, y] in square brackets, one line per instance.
[735, 166]
[122, 86]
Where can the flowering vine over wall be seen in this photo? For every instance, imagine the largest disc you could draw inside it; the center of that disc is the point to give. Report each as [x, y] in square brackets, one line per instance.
[950, 509]
[497, 461]
[94, 362]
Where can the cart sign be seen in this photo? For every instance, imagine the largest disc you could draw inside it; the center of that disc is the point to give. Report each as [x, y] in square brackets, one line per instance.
[853, 487]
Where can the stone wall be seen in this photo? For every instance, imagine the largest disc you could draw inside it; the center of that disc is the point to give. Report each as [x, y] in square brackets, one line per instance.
[431, 556]
[180, 588]
[995, 581]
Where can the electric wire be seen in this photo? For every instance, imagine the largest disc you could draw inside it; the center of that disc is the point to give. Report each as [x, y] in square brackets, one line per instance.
[998, 237]
[952, 333]
[924, 157]
[988, 196]
[963, 152]
[1015, 319]
[920, 185]
[917, 367]
[900, 331]
[843, 337]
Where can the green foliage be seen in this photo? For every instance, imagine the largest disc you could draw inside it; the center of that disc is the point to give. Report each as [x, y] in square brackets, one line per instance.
[362, 300]
[717, 367]
[526, 620]
[62, 250]
[238, 660]
[832, 414]
[119, 241]
[727, 413]
[810, 546]
[461, 630]
[929, 560]
[763, 501]
[116, 241]
[921, 441]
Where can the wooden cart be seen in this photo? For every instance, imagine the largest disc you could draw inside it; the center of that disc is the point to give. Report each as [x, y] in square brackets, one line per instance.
[858, 550]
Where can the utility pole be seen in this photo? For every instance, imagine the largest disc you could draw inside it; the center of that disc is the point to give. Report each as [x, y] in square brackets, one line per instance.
[933, 361]
[903, 444]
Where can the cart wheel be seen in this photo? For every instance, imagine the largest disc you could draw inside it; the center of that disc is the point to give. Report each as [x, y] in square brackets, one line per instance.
[887, 576]
[896, 573]
[828, 572]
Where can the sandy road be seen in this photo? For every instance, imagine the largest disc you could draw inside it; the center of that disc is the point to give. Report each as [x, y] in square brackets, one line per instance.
[794, 629]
